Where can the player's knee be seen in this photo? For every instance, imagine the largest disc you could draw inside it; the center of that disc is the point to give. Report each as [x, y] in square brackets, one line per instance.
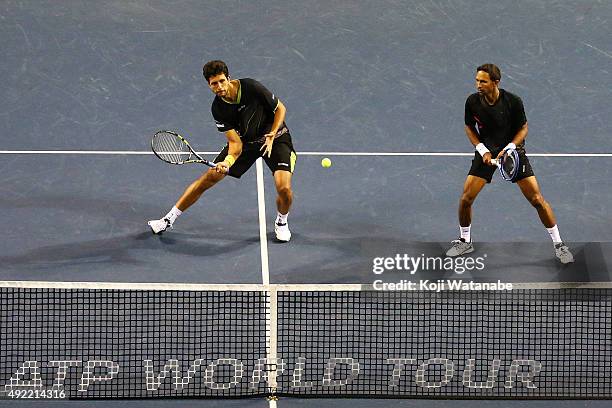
[209, 179]
[537, 201]
[214, 175]
[466, 200]
[285, 192]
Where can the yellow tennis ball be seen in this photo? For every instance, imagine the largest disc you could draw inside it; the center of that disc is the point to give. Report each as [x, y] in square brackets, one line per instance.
[326, 162]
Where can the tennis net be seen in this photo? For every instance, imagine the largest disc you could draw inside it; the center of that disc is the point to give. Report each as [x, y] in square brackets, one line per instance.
[106, 340]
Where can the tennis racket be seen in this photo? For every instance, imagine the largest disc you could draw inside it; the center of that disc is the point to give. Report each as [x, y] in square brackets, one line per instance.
[175, 149]
[508, 164]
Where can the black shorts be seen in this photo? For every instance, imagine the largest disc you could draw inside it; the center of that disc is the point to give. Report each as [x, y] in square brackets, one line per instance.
[283, 156]
[479, 169]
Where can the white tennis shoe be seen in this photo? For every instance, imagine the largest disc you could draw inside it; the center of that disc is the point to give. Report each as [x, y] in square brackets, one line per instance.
[460, 247]
[159, 226]
[282, 232]
[562, 252]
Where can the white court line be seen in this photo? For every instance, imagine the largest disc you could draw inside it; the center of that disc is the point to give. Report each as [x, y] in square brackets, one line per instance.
[445, 154]
[254, 287]
[272, 318]
[263, 238]
[417, 154]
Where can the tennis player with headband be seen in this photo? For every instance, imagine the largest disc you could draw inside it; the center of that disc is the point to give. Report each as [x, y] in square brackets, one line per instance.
[253, 120]
[495, 121]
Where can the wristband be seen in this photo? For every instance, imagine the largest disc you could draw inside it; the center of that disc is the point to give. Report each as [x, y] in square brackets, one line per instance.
[230, 160]
[510, 146]
[482, 149]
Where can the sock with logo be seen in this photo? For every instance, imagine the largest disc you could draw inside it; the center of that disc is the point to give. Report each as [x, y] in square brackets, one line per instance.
[554, 234]
[465, 233]
[173, 214]
[281, 219]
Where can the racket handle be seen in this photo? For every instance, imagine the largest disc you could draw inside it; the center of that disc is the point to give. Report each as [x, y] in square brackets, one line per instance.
[495, 162]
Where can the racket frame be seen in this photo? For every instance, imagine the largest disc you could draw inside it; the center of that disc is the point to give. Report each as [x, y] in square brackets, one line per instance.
[500, 165]
[199, 159]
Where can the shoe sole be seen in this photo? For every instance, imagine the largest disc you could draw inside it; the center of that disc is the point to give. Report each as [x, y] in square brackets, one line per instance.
[468, 251]
[282, 240]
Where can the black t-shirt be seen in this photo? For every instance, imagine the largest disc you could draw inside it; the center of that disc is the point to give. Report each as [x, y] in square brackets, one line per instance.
[495, 125]
[251, 116]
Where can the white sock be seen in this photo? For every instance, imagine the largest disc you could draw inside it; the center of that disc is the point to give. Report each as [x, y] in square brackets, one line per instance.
[554, 234]
[281, 218]
[173, 214]
[465, 233]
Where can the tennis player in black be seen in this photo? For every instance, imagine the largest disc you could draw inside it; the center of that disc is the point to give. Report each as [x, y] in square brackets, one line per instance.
[253, 120]
[495, 121]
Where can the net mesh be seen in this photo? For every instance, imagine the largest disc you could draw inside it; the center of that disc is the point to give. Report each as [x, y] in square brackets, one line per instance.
[170, 147]
[476, 344]
[123, 343]
[215, 342]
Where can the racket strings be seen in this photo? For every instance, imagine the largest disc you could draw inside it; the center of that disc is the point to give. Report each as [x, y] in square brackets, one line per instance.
[509, 165]
[170, 148]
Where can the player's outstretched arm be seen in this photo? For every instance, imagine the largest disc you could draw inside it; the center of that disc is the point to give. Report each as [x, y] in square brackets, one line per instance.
[234, 151]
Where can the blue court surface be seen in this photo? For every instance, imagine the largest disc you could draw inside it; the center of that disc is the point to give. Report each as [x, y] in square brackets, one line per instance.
[378, 87]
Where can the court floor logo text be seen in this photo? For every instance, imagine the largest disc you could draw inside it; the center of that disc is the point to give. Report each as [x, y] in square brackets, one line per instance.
[434, 372]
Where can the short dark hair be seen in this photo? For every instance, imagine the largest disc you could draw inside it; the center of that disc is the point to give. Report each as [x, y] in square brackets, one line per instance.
[216, 67]
[492, 70]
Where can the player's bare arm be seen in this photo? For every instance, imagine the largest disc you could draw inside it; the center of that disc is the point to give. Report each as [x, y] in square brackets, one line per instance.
[279, 118]
[235, 149]
[519, 138]
[473, 137]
